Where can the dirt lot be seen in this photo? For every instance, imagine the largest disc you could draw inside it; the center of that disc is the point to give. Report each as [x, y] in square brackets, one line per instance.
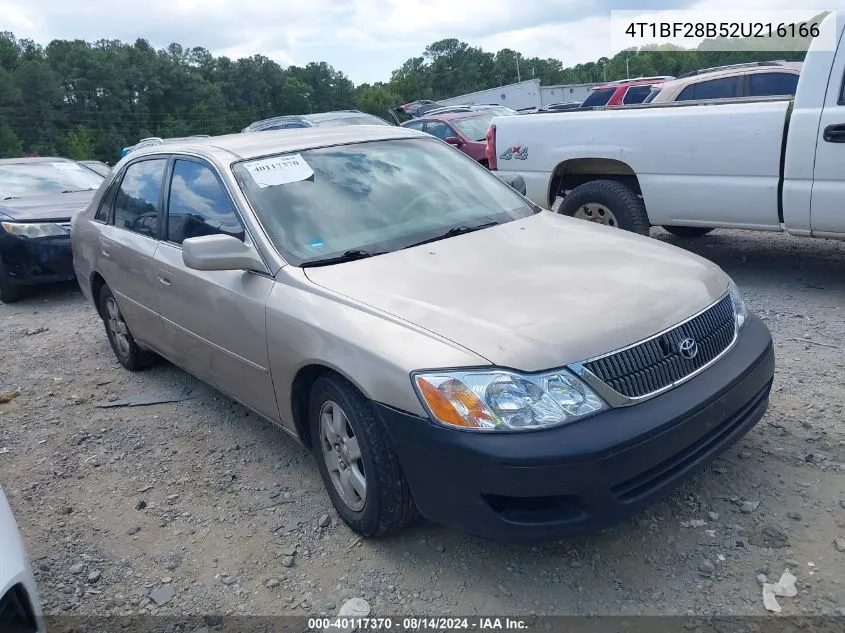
[234, 508]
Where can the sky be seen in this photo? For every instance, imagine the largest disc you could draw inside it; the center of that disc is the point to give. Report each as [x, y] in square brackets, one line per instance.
[365, 39]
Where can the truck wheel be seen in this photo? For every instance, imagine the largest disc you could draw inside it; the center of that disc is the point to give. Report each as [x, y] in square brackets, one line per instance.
[9, 292]
[607, 202]
[359, 467]
[688, 231]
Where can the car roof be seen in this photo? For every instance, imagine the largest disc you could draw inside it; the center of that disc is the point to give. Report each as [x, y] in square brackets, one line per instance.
[732, 71]
[240, 146]
[632, 82]
[35, 159]
[451, 116]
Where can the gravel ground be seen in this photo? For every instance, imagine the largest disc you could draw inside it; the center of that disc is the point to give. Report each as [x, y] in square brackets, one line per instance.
[200, 507]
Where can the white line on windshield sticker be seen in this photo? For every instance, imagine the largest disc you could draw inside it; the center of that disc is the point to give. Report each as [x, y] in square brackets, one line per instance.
[269, 172]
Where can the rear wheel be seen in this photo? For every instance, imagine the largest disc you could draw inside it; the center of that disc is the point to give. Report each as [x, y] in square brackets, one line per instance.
[9, 292]
[122, 342]
[359, 467]
[607, 202]
[688, 231]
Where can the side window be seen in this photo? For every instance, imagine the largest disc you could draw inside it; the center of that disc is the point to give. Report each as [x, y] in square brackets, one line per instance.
[636, 94]
[772, 84]
[724, 88]
[199, 205]
[136, 204]
[440, 130]
[290, 125]
[104, 210]
[686, 93]
[416, 125]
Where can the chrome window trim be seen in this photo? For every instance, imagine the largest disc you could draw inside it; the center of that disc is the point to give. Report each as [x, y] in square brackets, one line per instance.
[615, 399]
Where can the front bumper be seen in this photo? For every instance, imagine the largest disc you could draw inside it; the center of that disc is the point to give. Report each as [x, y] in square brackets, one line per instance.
[41, 260]
[537, 485]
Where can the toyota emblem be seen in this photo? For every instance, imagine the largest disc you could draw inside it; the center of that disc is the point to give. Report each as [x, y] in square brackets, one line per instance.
[688, 348]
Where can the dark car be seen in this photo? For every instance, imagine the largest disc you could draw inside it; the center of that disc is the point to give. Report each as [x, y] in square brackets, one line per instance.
[98, 166]
[38, 197]
[322, 119]
[466, 130]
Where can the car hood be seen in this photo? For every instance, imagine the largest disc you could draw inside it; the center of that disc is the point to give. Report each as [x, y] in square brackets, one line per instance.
[537, 293]
[55, 206]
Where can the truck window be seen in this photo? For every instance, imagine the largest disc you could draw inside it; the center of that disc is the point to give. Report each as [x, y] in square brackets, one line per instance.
[636, 94]
[598, 98]
[772, 84]
[686, 93]
[724, 88]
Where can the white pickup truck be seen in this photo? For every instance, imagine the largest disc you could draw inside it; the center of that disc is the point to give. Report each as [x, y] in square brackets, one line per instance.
[774, 164]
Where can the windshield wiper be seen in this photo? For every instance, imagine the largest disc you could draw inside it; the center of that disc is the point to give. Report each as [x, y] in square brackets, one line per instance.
[78, 190]
[11, 197]
[455, 230]
[348, 256]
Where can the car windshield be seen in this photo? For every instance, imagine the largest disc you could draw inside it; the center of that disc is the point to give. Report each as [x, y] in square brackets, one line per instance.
[377, 196]
[474, 128]
[20, 180]
[361, 119]
[598, 97]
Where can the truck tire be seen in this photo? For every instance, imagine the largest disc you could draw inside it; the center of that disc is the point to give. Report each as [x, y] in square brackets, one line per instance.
[607, 202]
[688, 231]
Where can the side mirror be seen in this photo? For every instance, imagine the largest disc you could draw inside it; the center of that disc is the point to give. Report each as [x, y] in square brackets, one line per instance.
[454, 140]
[220, 252]
[516, 182]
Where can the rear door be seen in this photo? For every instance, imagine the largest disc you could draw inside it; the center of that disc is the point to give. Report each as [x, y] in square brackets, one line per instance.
[214, 321]
[128, 242]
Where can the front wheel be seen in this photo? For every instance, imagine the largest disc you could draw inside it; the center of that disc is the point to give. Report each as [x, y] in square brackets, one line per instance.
[607, 202]
[688, 231]
[359, 467]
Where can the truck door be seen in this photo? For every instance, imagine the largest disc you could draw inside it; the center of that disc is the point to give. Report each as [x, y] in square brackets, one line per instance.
[827, 210]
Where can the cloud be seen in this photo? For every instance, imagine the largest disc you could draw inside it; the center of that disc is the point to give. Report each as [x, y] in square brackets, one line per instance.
[366, 39]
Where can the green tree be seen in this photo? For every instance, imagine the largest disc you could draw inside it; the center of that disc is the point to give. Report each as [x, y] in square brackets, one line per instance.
[80, 143]
[10, 144]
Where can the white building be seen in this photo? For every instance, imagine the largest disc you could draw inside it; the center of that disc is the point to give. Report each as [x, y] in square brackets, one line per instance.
[525, 94]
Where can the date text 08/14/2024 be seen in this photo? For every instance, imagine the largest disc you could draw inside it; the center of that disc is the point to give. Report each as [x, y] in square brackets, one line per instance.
[416, 623]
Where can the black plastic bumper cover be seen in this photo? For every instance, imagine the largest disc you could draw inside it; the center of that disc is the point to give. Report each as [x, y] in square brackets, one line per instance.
[538, 485]
[36, 261]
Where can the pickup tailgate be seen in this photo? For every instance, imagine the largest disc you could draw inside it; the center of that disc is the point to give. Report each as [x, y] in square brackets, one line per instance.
[712, 164]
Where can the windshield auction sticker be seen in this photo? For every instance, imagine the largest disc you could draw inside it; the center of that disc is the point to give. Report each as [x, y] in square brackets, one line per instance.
[269, 172]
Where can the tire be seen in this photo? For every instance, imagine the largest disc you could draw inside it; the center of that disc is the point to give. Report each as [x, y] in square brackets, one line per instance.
[625, 205]
[124, 346]
[9, 292]
[386, 506]
[688, 231]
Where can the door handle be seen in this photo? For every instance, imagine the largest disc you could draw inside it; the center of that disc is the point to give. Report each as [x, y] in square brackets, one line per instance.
[834, 133]
[106, 252]
[164, 281]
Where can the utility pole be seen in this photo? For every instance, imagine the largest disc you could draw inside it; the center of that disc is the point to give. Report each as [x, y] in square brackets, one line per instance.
[518, 77]
[627, 74]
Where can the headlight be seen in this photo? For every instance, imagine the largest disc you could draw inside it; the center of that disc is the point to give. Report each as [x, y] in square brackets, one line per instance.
[740, 309]
[501, 400]
[33, 229]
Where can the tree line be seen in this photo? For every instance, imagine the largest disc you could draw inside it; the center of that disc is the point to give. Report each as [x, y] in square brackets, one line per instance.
[89, 99]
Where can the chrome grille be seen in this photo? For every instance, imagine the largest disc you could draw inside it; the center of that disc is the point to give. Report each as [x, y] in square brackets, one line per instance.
[657, 363]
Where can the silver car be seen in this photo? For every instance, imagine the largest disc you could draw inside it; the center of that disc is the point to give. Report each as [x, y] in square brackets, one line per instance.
[445, 347]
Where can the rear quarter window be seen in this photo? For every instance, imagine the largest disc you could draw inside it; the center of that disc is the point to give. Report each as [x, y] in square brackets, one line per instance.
[598, 98]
